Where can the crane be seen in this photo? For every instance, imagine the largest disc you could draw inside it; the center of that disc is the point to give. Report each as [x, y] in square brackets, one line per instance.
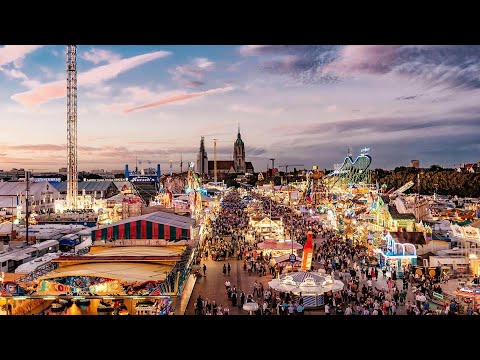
[286, 168]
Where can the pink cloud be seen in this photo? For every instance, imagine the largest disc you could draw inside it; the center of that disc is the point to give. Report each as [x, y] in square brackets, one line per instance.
[249, 50]
[194, 84]
[97, 56]
[34, 147]
[251, 109]
[14, 74]
[12, 53]
[193, 72]
[58, 89]
[179, 97]
[363, 58]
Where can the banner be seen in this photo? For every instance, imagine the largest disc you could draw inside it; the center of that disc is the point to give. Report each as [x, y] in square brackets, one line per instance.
[10, 288]
[52, 288]
[80, 285]
[470, 232]
[457, 230]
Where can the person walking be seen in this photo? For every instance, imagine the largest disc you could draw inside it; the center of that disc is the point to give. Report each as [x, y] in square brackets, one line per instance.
[224, 269]
[228, 269]
[204, 270]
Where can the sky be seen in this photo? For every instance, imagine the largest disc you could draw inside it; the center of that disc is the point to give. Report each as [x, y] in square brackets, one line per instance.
[300, 104]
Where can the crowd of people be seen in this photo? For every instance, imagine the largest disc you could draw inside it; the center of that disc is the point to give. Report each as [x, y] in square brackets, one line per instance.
[363, 292]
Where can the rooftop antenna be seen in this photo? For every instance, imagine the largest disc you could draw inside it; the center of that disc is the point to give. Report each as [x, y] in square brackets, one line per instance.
[181, 163]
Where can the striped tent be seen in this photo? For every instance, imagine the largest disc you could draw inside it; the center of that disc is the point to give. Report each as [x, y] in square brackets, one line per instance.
[157, 225]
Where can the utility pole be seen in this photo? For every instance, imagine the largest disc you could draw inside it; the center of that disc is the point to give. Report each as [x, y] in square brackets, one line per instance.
[215, 160]
[418, 184]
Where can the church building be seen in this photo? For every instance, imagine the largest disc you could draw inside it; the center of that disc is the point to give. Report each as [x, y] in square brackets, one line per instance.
[237, 165]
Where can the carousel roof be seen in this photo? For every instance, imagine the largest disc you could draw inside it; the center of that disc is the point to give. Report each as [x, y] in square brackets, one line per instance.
[278, 245]
[307, 282]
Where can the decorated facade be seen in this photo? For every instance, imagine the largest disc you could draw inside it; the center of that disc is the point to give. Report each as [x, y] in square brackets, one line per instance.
[158, 225]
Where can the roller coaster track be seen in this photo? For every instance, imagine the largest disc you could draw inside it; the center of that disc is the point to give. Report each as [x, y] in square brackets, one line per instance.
[352, 172]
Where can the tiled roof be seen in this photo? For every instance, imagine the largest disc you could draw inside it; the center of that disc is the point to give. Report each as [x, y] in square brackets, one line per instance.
[396, 215]
[159, 217]
[412, 237]
[85, 185]
[221, 164]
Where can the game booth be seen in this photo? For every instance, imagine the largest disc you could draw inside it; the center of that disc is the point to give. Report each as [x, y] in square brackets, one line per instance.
[278, 247]
[396, 255]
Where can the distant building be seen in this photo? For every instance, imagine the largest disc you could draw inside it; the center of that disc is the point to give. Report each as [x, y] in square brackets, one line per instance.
[223, 167]
[469, 168]
[239, 154]
[237, 165]
[415, 164]
[117, 172]
[202, 159]
[97, 188]
[62, 170]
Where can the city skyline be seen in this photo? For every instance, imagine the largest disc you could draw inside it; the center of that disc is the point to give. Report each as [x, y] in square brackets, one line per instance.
[297, 104]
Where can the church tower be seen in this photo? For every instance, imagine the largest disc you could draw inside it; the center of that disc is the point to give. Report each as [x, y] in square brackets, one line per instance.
[239, 153]
[202, 159]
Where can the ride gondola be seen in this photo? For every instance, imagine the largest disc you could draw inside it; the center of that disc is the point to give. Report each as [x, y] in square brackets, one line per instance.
[105, 307]
[82, 302]
[66, 302]
[57, 307]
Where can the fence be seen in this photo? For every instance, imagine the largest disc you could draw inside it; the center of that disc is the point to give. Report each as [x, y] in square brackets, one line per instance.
[48, 267]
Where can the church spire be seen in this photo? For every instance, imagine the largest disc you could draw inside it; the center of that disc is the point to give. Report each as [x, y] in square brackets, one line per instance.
[238, 134]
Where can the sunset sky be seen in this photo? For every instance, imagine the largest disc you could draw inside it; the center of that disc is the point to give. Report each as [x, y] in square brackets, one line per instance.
[298, 104]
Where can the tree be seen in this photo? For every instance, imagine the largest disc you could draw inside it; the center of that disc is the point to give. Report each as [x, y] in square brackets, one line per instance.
[253, 179]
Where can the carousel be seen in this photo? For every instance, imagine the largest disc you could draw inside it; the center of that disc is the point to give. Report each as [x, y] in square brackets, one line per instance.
[469, 295]
[279, 247]
[309, 285]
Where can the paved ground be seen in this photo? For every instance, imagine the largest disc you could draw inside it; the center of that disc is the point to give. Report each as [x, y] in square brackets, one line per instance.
[212, 286]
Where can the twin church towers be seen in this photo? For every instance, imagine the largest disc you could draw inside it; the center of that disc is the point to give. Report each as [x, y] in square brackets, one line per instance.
[236, 166]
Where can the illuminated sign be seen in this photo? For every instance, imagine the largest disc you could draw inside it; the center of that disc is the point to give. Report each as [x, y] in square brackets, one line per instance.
[143, 178]
[471, 291]
[46, 179]
[365, 150]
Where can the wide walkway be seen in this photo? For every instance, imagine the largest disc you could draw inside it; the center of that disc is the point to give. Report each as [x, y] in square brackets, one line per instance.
[212, 286]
